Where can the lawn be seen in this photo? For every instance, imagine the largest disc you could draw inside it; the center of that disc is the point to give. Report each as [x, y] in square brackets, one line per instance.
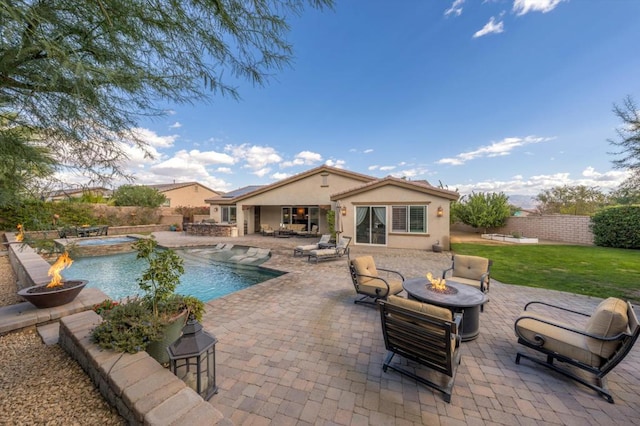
[592, 271]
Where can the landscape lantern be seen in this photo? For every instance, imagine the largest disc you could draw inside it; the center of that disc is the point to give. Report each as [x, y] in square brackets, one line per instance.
[193, 359]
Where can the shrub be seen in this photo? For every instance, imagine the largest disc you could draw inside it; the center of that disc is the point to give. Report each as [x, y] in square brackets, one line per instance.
[617, 227]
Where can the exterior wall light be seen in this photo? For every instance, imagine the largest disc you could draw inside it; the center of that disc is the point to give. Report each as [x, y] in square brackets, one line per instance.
[343, 210]
[440, 212]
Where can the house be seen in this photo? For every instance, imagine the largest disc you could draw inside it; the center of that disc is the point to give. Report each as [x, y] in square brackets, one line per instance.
[388, 212]
[185, 194]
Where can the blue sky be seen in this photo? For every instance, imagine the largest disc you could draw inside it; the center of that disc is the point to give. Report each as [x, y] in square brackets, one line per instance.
[511, 96]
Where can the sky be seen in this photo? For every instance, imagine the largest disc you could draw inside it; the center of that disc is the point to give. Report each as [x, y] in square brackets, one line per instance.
[512, 96]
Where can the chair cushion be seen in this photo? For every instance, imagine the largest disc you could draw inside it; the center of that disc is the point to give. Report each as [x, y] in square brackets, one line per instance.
[373, 285]
[556, 339]
[471, 267]
[424, 308]
[608, 320]
[364, 265]
[472, 282]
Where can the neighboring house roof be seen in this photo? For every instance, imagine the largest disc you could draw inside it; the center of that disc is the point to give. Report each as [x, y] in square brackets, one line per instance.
[164, 187]
[419, 186]
[240, 191]
[243, 193]
[69, 192]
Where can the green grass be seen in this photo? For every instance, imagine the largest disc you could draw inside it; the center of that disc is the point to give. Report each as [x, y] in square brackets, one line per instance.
[592, 271]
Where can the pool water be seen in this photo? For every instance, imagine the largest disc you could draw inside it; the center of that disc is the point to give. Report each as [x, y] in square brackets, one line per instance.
[116, 275]
[105, 241]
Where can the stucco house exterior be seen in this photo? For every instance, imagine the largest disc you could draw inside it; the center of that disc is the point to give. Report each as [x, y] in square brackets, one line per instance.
[389, 212]
[186, 194]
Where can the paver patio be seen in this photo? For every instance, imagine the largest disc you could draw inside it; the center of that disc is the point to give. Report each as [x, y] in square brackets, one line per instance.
[296, 350]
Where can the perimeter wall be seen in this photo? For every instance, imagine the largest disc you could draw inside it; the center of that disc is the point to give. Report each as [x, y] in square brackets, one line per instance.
[562, 228]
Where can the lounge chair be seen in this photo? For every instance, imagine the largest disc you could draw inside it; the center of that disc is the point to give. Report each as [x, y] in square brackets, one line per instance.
[370, 284]
[425, 334]
[305, 249]
[331, 253]
[597, 347]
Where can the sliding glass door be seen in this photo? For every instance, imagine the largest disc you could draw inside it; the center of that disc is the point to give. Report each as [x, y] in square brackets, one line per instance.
[371, 225]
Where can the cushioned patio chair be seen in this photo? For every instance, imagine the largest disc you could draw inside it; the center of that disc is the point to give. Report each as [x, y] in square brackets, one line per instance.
[470, 270]
[597, 347]
[331, 253]
[309, 233]
[425, 334]
[267, 230]
[370, 284]
[305, 249]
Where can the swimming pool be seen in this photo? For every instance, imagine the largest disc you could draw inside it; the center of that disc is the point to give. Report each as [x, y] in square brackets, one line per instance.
[105, 241]
[116, 275]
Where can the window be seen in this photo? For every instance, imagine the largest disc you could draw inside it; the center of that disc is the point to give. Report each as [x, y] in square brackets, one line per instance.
[167, 202]
[409, 219]
[229, 214]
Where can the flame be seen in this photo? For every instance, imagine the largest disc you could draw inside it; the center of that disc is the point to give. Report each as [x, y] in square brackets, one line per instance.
[64, 261]
[20, 235]
[438, 284]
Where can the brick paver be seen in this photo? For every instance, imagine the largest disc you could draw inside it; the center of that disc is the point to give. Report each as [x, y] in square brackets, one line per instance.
[297, 350]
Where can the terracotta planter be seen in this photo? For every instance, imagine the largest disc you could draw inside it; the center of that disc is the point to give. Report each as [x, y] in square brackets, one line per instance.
[42, 297]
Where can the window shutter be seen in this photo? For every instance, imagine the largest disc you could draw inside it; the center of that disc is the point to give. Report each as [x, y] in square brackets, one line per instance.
[399, 218]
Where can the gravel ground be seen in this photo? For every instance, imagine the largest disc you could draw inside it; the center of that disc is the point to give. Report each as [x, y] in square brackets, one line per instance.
[41, 384]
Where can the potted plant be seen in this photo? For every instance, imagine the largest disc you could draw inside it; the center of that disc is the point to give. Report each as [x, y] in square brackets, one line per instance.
[154, 321]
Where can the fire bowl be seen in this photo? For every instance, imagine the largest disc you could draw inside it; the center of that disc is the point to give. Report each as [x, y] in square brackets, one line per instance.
[42, 297]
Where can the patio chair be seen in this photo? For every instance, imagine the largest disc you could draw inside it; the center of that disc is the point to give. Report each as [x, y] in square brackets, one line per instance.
[305, 249]
[471, 270]
[425, 334]
[266, 229]
[331, 253]
[370, 284]
[309, 233]
[606, 338]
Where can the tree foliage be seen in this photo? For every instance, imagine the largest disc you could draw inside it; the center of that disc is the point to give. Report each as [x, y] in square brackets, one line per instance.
[80, 74]
[482, 210]
[577, 200]
[629, 191]
[138, 195]
[628, 140]
[617, 227]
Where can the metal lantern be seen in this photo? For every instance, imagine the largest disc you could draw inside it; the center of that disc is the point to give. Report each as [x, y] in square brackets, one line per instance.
[193, 358]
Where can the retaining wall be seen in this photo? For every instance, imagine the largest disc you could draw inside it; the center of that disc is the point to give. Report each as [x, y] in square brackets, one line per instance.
[142, 391]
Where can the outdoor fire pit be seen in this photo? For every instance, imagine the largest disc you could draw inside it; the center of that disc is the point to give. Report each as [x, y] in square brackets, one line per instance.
[57, 292]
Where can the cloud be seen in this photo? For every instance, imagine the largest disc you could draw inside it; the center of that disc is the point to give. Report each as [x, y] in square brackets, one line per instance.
[491, 27]
[224, 170]
[522, 7]
[280, 176]
[175, 125]
[211, 157]
[410, 173]
[455, 9]
[153, 139]
[534, 185]
[386, 168]
[303, 158]
[262, 172]
[368, 151]
[256, 157]
[335, 163]
[496, 149]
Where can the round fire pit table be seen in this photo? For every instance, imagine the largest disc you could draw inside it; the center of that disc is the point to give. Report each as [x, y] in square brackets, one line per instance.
[458, 298]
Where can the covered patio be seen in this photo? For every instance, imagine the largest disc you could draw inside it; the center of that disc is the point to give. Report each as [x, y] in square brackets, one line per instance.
[296, 350]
